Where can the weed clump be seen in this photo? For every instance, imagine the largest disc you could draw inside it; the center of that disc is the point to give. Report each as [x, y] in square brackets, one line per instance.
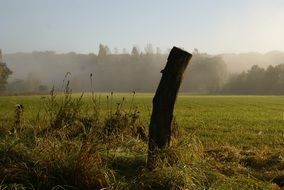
[62, 113]
[19, 109]
[123, 122]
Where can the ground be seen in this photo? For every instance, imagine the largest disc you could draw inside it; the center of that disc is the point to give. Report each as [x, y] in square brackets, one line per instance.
[93, 142]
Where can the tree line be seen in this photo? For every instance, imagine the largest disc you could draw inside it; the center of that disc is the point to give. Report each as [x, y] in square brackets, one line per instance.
[131, 71]
[257, 80]
[4, 74]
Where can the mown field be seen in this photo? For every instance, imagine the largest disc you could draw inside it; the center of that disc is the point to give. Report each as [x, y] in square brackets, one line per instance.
[64, 142]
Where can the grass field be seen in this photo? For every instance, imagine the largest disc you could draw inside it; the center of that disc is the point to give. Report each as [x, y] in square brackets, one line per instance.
[223, 142]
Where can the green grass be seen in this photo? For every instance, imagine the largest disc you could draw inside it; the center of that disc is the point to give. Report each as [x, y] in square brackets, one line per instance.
[242, 121]
[224, 142]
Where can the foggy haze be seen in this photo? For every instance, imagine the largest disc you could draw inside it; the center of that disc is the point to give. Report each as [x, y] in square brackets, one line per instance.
[139, 71]
[241, 62]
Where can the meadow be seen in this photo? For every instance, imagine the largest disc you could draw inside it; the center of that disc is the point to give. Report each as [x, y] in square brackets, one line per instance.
[76, 141]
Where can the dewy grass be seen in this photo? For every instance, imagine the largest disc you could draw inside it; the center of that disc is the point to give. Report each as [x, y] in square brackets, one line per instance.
[93, 142]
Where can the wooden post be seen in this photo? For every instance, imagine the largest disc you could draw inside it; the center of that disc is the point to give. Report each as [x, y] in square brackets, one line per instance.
[164, 100]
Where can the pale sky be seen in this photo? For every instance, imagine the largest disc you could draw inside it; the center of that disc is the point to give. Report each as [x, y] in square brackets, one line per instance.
[212, 26]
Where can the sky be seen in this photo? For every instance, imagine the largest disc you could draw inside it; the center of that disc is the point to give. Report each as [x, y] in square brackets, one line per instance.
[211, 26]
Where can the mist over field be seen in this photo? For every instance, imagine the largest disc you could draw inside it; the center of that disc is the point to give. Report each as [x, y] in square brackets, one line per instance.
[136, 70]
[238, 63]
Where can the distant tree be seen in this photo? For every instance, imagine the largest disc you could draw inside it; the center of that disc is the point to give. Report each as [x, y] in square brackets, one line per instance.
[206, 74]
[4, 74]
[278, 75]
[43, 88]
[0, 55]
[257, 80]
[195, 51]
[236, 84]
[32, 82]
[103, 50]
[16, 86]
[149, 49]
[135, 51]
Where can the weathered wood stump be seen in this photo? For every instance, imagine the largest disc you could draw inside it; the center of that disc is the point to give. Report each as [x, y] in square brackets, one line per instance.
[164, 101]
